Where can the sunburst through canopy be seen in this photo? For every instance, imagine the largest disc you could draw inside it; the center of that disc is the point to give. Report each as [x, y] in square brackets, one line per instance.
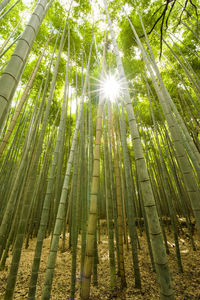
[111, 87]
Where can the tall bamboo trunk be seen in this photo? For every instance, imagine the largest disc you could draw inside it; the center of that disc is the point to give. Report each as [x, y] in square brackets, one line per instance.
[62, 204]
[119, 207]
[130, 198]
[92, 220]
[22, 101]
[162, 269]
[3, 4]
[109, 213]
[46, 205]
[182, 140]
[14, 69]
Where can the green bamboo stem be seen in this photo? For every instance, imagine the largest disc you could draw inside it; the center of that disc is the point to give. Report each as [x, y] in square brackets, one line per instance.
[13, 71]
[163, 274]
[22, 100]
[109, 213]
[130, 206]
[61, 209]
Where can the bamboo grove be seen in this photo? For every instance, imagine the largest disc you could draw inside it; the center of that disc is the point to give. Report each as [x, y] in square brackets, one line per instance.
[73, 156]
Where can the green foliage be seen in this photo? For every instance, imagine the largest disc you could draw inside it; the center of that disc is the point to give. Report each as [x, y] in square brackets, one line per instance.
[83, 25]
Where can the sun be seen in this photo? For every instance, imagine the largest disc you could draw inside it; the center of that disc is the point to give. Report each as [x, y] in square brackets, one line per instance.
[111, 87]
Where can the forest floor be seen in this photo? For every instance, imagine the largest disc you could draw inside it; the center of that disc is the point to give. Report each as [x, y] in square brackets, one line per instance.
[186, 285]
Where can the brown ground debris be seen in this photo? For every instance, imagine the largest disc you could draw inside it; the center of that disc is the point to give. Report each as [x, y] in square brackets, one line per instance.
[186, 285]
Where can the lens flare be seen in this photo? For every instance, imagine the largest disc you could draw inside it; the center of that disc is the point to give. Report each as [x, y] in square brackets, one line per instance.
[111, 88]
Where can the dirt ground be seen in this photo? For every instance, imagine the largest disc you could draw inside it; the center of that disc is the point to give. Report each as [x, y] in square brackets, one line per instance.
[186, 285]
